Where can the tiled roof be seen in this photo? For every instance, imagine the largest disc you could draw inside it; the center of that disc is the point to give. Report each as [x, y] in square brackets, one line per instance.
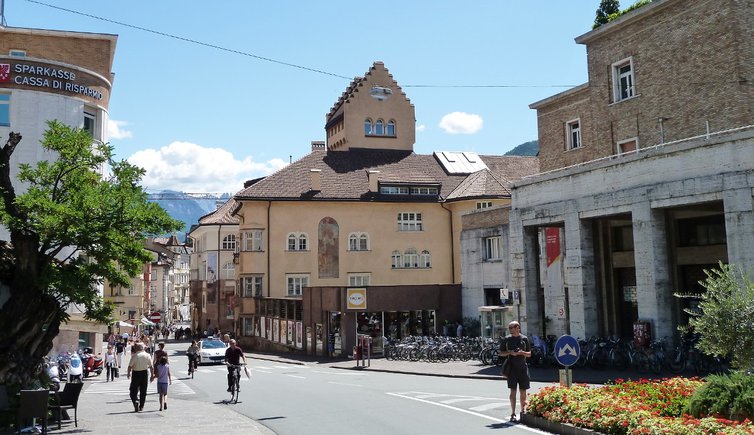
[344, 176]
[222, 216]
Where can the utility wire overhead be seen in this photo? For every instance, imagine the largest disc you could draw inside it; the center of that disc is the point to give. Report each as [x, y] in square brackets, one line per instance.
[267, 59]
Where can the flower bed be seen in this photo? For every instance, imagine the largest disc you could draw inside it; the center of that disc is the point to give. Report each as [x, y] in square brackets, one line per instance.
[643, 407]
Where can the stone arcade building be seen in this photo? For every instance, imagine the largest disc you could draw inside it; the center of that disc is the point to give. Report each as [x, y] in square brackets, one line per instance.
[648, 170]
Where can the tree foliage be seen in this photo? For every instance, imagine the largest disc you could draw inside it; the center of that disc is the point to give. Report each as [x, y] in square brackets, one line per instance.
[71, 228]
[725, 319]
[606, 9]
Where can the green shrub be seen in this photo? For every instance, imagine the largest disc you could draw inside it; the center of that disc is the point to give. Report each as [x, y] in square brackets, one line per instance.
[730, 396]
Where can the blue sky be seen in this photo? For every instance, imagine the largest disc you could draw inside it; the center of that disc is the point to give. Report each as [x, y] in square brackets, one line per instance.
[202, 119]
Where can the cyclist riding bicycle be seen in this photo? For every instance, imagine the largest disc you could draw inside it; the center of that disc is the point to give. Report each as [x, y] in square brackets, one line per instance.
[193, 354]
[233, 357]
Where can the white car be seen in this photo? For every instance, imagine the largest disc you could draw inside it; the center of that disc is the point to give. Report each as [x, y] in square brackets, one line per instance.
[211, 351]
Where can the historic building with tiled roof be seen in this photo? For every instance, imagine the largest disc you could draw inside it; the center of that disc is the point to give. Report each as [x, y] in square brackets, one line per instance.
[362, 235]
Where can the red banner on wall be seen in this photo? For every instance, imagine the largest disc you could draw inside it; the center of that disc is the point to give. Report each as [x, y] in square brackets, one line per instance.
[552, 244]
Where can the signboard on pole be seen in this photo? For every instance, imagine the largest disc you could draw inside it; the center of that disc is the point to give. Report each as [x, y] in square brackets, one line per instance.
[156, 317]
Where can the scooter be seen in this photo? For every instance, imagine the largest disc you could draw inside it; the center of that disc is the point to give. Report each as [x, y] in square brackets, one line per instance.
[76, 369]
[91, 362]
[64, 360]
[52, 373]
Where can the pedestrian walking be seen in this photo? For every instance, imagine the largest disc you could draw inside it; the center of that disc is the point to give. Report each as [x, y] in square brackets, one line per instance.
[159, 353]
[111, 369]
[119, 348]
[517, 348]
[139, 369]
[163, 380]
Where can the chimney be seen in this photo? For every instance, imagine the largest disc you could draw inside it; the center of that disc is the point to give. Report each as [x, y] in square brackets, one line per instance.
[318, 145]
[373, 184]
[316, 175]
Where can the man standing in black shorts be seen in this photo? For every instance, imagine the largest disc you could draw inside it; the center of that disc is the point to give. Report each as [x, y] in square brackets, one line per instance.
[516, 347]
[233, 355]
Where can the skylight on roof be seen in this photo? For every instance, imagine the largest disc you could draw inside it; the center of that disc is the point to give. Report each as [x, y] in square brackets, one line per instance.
[455, 162]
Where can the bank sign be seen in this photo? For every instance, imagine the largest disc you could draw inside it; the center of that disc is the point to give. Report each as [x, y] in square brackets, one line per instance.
[25, 74]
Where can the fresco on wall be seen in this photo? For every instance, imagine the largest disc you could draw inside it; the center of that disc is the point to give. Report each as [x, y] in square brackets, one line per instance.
[329, 261]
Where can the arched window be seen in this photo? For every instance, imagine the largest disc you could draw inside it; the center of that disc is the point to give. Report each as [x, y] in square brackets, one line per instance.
[425, 259]
[396, 256]
[378, 128]
[229, 271]
[358, 242]
[298, 242]
[410, 258]
[390, 128]
[229, 242]
[368, 127]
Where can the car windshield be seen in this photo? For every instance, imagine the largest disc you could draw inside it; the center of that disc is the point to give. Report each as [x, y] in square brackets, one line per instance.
[212, 344]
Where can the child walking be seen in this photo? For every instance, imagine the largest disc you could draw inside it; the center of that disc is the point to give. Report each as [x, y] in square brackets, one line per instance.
[163, 379]
[110, 364]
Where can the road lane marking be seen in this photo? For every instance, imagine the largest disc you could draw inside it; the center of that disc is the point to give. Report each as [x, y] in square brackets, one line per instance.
[296, 376]
[488, 406]
[463, 399]
[339, 373]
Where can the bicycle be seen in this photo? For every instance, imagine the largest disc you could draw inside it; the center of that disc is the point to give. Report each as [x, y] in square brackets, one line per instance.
[192, 365]
[235, 387]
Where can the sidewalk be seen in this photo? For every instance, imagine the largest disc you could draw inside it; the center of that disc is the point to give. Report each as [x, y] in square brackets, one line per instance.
[114, 414]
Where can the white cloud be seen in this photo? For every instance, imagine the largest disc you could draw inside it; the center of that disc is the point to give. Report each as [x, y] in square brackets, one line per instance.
[421, 127]
[188, 167]
[115, 130]
[461, 123]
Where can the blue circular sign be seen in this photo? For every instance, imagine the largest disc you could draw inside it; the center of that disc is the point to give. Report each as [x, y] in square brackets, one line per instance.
[567, 350]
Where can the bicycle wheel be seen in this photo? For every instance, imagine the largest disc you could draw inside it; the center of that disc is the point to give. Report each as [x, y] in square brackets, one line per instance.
[641, 362]
[618, 360]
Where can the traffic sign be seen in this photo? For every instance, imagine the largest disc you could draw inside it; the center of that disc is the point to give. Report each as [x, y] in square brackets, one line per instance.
[155, 317]
[567, 350]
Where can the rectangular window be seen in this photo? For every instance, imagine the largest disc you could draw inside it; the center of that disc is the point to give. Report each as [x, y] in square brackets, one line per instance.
[409, 222]
[483, 204]
[4, 110]
[358, 279]
[131, 290]
[90, 123]
[627, 146]
[492, 247]
[252, 286]
[296, 283]
[573, 131]
[248, 326]
[253, 241]
[229, 243]
[394, 190]
[17, 53]
[423, 191]
[623, 80]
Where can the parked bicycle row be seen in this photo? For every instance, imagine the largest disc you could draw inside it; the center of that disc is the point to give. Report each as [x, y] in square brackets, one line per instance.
[433, 349]
[619, 354]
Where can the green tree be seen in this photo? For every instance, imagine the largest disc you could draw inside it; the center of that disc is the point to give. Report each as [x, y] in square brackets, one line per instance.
[606, 9]
[725, 320]
[71, 228]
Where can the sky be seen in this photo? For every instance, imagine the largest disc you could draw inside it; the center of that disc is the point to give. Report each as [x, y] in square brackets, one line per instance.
[209, 94]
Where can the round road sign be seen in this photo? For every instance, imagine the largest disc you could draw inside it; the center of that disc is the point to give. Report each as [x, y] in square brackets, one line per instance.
[567, 350]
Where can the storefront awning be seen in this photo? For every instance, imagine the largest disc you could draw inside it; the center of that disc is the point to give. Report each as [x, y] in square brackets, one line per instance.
[145, 321]
[123, 324]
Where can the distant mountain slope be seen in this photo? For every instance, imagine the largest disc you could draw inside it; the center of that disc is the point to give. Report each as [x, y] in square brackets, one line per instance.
[187, 208]
[530, 148]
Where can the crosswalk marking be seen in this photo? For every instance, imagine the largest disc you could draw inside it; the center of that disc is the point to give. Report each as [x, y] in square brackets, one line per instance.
[120, 388]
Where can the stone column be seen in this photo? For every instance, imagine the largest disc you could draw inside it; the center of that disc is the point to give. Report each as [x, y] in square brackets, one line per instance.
[739, 222]
[654, 290]
[523, 266]
[580, 276]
